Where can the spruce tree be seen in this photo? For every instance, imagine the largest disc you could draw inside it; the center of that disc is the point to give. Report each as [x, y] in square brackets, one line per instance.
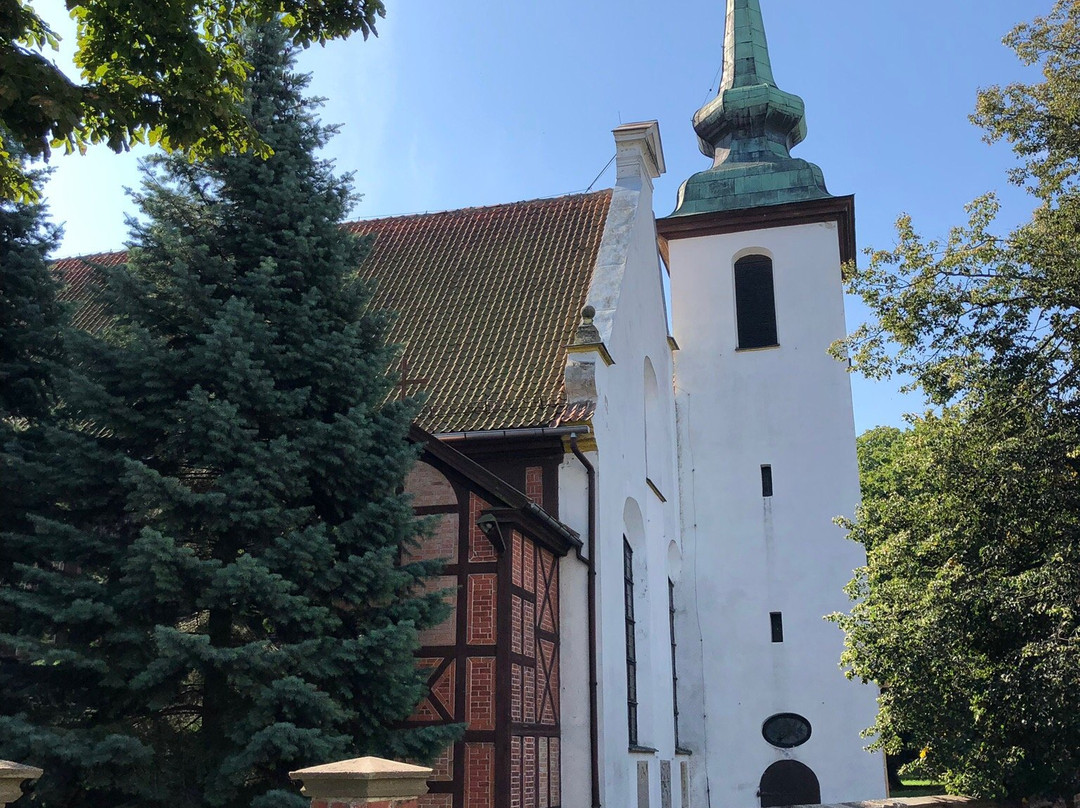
[224, 600]
[31, 324]
[50, 477]
[30, 318]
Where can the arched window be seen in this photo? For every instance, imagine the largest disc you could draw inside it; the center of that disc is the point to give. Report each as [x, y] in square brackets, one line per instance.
[755, 307]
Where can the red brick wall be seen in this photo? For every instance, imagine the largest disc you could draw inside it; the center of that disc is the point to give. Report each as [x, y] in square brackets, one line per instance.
[535, 778]
[534, 484]
[517, 547]
[528, 568]
[549, 597]
[554, 767]
[441, 544]
[363, 802]
[480, 549]
[542, 775]
[444, 689]
[515, 772]
[436, 801]
[426, 710]
[482, 592]
[434, 496]
[443, 766]
[466, 654]
[534, 676]
[480, 693]
[479, 775]
[429, 486]
[445, 633]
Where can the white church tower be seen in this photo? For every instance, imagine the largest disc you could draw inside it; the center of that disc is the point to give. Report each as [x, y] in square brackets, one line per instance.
[767, 454]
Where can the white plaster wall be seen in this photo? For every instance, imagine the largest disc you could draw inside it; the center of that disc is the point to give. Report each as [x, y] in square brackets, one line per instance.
[574, 640]
[628, 294]
[745, 556]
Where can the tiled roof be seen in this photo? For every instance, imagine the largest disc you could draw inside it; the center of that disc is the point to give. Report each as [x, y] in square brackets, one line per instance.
[81, 286]
[488, 299]
[487, 302]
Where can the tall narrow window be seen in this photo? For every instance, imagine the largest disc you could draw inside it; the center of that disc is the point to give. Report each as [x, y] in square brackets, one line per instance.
[755, 307]
[776, 619]
[674, 673]
[631, 644]
[766, 481]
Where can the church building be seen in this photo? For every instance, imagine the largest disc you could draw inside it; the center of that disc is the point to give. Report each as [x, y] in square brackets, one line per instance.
[636, 514]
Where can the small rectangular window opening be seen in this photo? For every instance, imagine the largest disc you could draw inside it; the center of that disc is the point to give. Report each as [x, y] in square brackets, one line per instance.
[777, 620]
[766, 481]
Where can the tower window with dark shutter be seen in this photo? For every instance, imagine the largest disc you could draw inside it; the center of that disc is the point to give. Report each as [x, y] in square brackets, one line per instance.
[776, 620]
[755, 307]
[766, 481]
[631, 644]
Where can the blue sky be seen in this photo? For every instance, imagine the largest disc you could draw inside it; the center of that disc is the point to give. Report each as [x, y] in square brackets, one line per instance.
[456, 105]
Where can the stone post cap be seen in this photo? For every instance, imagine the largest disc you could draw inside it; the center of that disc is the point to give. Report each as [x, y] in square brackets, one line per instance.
[363, 778]
[12, 776]
[12, 770]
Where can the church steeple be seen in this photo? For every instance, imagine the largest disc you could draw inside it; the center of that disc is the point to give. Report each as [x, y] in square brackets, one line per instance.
[746, 52]
[749, 129]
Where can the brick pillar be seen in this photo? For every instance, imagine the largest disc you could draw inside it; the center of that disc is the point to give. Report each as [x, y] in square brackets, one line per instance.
[12, 776]
[368, 781]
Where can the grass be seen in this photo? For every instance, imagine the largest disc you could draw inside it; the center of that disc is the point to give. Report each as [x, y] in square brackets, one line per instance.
[918, 788]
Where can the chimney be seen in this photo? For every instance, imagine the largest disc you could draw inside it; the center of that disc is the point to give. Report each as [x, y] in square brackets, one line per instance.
[639, 155]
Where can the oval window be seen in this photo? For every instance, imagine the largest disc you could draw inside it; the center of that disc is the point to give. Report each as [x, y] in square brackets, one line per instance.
[786, 730]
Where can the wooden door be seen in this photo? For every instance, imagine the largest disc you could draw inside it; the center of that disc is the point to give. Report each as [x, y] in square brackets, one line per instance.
[789, 782]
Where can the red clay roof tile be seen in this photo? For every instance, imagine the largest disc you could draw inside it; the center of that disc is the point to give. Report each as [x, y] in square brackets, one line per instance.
[487, 300]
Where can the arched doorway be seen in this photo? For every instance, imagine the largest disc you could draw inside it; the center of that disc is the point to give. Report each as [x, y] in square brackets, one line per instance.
[789, 782]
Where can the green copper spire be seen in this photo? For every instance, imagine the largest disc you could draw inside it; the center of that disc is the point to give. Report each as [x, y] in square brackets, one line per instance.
[749, 130]
[746, 53]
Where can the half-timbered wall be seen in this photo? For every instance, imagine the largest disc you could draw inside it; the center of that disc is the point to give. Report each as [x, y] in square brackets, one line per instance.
[493, 663]
[534, 675]
[434, 495]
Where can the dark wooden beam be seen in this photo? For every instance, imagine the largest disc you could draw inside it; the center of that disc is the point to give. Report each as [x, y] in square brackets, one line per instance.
[839, 209]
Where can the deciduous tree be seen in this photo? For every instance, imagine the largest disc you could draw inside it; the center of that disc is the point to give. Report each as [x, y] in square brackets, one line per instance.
[968, 608]
[170, 73]
[969, 611]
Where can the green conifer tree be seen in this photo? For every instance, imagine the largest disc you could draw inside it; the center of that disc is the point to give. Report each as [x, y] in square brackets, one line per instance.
[31, 323]
[53, 488]
[30, 318]
[225, 602]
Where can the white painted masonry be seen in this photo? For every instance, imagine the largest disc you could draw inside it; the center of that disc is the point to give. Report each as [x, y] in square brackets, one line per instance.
[689, 502]
[627, 293]
[747, 555]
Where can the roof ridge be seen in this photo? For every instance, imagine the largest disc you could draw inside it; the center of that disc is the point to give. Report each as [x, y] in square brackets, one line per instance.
[475, 208]
[96, 256]
[112, 254]
[487, 298]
